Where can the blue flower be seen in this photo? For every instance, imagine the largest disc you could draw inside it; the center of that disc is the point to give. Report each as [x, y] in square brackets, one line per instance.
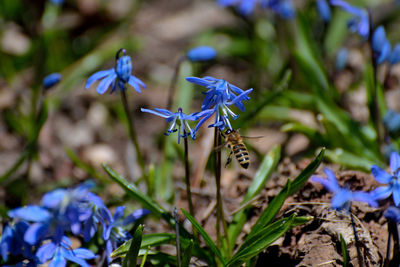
[380, 45]
[201, 53]
[51, 80]
[12, 241]
[245, 7]
[394, 57]
[117, 77]
[57, 2]
[324, 10]
[392, 180]
[342, 196]
[60, 252]
[219, 96]
[360, 22]
[179, 119]
[113, 233]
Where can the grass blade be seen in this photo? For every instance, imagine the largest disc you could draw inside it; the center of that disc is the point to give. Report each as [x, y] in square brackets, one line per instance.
[187, 254]
[206, 237]
[345, 251]
[131, 257]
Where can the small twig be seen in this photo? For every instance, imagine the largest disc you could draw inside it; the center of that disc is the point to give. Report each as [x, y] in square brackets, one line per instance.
[178, 243]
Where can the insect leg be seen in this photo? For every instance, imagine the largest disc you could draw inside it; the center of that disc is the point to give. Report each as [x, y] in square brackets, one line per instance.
[229, 160]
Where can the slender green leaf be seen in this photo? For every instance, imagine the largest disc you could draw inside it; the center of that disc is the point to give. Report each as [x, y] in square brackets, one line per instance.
[187, 254]
[145, 257]
[345, 251]
[268, 215]
[131, 257]
[268, 165]
[302, 178]
[263, 238]
[206, 237]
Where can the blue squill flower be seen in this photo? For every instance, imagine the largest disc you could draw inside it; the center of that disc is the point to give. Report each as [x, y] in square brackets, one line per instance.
[59, 253]
[219, 91]
[51, 80]
[380, 45]
[394, 57]
[219, 97]
[201, 53]
[117, 77]
[342, 196]
[12, 241]
[391, 180]
[324, 10]
[245, 7]
[360, 21]
[113, 233]
[177, 119]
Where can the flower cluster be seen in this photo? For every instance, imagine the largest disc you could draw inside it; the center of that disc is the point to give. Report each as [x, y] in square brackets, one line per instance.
[38, 234]
[117, 77]
[219, 96]
[284, 8]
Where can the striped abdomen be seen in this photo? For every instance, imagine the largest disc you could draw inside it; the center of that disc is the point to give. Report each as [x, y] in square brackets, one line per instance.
[241, 154]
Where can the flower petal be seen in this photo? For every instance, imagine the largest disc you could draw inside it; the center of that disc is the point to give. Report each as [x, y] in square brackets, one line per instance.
[54, 198]
[97, 76]
[198, 81]
[380, 175]
[155, 112]
[46, 252]
[341, 199]
[105, 83]
[365, 197]
[30, 213]
[137, 214]
[394, 163]
[36, 232]
[58, 260]
[381, 192]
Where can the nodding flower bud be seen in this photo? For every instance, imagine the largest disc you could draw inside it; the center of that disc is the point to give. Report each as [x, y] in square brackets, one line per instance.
[395, 55]
[380, 45]
[51, 80]
[124, 68]
[201, 53]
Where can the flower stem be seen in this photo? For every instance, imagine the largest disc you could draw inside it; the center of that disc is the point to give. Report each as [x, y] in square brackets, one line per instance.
[392, 227]
[172, 85]
[220, 209]
[178, 243]
[132, 132]
[187, 176]
[359, 255]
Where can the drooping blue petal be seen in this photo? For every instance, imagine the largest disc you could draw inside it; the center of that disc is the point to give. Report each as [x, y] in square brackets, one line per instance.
[46, 252]
[385, 53]
[155, 112]
[395, 55]
[54, 198]
[365, 197]
[36, 232]
[394, 163]
[105, 83]
[380, 175]
[197, 81]
[326, 183]
[58, 260]
[30, 213]
[71, 256]
[97, 76]
[381, 192]
[134, 84]
[119, 212]
[137, 214]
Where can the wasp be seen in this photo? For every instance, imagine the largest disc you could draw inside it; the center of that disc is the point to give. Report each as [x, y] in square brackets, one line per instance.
[235, 142]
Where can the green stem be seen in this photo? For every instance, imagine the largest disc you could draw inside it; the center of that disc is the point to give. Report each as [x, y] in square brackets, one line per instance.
[217, 172]
[172, 85]
[132, 133]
